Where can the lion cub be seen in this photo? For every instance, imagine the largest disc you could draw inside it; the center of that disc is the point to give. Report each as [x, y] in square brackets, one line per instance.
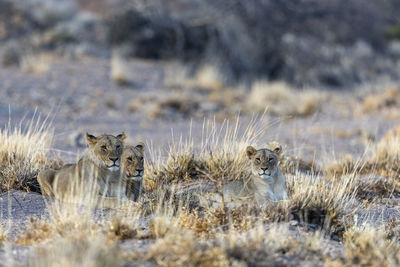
[132, 170]
[267, 182]
[95, 178]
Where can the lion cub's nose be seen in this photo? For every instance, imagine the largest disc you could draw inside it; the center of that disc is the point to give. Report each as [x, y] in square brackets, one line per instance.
[264, 169]
[113, 159]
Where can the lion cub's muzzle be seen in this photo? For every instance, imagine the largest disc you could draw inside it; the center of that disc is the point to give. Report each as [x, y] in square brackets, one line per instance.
[115, 164]
[137, 176]
[265, 173]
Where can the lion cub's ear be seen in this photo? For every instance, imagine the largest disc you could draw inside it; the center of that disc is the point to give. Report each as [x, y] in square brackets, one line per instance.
[91, 139]
[250, 151]
[121, 136]
[141, 146]
[278, 150]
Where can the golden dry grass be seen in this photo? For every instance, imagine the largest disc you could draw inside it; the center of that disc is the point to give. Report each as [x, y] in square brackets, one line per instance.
[207, 77]
[182, 236]
[279, 99]
[119, 71]
[219, 155]
[369, 246]
[36, 63]
[23, 151]
[3, 235]
[380, 101]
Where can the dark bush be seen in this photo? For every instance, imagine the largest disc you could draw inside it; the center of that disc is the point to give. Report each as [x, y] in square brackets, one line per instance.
[259, 38]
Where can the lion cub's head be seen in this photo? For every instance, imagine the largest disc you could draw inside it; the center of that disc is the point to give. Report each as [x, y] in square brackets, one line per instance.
[264, 162]
[132, 162]
[106, 150]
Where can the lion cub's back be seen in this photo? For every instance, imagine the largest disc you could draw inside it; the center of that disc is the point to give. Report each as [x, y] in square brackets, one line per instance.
[233, 194]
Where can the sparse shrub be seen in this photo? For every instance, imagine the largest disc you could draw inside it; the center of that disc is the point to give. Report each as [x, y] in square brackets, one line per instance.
[290, 164]
[179, 168]
[207, 77]
[3, 235]
[23, 154]
[388, 147]
[74, 251]
[236, 42]
[370, 247]
[175, 105]
[36, 63]
[386, 157]
[271, 247]
[318, 201]
[119, 71]
[279, 99]
[373, 188]
[345, 166]
[377, 102]
[181, 247]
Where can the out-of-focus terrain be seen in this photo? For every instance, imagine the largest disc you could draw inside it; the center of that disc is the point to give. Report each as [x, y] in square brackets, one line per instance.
[321, 79]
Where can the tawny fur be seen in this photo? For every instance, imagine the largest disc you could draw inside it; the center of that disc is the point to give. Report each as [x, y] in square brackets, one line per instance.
[267, 182]
[94, 179]
[132, 163]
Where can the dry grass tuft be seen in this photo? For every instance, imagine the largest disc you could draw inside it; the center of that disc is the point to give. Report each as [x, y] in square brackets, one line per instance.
[76, 251]
[318, 201]
[276, 247]
[374, 189]
[74, 222]
[118, 69]
[210, 221]
[23, 154]
[281, 100]
[219, 157]
[344, 166]
[3, 235]
[377, 102]
[370, 247]
[119, 229]
[207, 77]
[290, 164]
[292, 232]
[385, 157]
[377, 174]
[387, 149]
[174, 105]
[181, 247]
[36, 63]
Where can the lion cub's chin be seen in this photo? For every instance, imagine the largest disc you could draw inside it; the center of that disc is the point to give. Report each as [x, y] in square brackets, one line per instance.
[267, 178]
[113, 168]
[136, 178]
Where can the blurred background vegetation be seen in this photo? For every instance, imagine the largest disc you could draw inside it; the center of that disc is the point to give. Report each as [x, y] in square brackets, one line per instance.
[329, 44]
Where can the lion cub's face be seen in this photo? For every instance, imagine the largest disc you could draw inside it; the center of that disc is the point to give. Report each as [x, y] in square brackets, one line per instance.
[264, 162]
[132, 162]
[106, 150]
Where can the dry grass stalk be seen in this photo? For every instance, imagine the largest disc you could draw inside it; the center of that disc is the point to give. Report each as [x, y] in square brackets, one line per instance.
[118, 69]
[377, 102]
[281, 100]
[23, 152]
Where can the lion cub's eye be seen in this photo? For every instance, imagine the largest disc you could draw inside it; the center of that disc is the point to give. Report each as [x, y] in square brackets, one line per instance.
[104, 147]
[130, 159]
[258, 160]
[271, 159]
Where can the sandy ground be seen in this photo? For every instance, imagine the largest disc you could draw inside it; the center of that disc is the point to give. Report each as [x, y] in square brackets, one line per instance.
[79, 97]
